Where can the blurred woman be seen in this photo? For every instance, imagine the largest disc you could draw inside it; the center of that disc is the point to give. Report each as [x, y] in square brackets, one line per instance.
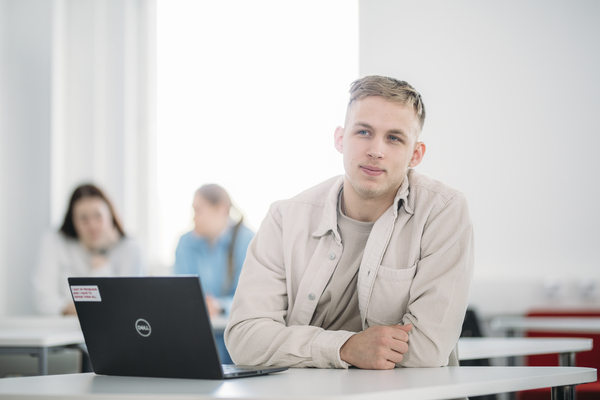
[215, 250]
[90, 242]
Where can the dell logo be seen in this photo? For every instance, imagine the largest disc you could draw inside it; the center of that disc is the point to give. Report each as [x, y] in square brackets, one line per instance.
[143, 327]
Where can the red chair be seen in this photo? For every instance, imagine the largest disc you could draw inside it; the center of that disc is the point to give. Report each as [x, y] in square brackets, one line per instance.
[588, 391]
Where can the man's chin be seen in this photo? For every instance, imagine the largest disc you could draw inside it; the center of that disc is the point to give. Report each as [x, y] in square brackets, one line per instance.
[369, 191]
[368, 188]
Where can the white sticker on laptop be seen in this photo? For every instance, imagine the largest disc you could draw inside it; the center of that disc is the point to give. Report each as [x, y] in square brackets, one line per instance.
[86, 293]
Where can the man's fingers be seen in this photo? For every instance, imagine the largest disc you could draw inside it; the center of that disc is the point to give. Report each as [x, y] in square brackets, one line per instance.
[400, 332]
[394, 358]
[400, 347]
[377, 347]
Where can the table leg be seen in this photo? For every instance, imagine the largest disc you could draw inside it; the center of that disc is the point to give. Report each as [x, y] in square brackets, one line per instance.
[563, 393]
[566, 359]
[43, 361]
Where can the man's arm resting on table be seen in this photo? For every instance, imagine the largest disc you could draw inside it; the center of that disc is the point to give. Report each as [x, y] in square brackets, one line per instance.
[258, 331]
[377, 347]
[439, 292]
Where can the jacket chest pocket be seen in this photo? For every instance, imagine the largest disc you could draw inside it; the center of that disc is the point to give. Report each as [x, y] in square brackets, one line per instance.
[390, 295]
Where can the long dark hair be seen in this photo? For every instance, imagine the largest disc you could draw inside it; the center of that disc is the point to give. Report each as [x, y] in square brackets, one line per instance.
[83, 191]
[216, 195]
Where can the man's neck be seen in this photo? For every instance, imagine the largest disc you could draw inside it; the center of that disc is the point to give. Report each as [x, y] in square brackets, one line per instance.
[365, 209]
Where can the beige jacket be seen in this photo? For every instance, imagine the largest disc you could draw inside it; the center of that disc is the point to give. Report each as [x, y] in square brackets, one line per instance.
[417, 268]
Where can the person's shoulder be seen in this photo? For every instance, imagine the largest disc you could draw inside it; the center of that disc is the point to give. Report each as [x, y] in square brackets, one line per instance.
[245, 231]
[187, 239]
[187, 236]
[424, 188]
[57, 238]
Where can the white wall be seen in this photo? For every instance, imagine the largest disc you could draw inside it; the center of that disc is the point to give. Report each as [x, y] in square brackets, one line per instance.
[512, 92]
[241, 110]
[77, 104]
[104, 106]
[3, 184]
[25, 162]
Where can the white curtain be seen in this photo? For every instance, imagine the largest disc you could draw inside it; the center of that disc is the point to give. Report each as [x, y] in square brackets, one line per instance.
[94, 106]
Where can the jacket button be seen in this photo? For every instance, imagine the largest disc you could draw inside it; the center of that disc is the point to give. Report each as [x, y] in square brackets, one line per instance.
[331, 256]
[311, 297]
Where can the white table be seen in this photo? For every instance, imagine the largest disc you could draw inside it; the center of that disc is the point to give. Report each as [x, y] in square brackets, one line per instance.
[297, 384]
[566, 348]
[219, 324]
[547, 324]
[38, 336]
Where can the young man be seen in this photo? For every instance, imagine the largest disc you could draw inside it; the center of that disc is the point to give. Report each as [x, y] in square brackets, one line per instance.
[371, 269]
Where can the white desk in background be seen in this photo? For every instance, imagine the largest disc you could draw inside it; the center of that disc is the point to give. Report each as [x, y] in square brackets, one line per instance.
[38, 336]
[297, 384]
[547, 324]
[219, 324]
[479, 348]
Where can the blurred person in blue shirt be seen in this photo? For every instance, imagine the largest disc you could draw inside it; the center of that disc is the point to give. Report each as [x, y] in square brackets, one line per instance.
[215, 250]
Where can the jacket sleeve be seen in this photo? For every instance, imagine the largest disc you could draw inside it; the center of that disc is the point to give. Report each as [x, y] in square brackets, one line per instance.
[439, 293]
[257, 333]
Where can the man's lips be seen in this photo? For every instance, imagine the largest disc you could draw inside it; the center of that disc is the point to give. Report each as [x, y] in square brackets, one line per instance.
[371, 170]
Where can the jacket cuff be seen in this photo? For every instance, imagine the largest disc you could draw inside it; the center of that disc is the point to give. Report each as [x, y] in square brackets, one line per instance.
[325, 349]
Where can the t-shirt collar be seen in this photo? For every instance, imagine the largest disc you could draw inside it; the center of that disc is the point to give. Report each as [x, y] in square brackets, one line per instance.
[329, 220]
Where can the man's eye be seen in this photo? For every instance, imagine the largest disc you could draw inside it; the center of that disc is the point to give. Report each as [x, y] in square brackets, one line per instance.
[395, 139]
[363, 132]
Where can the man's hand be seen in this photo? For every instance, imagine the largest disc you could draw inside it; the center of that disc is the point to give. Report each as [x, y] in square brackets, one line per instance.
[377, 347]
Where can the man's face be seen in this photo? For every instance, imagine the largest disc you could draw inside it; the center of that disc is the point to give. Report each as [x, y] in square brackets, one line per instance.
[379, 144]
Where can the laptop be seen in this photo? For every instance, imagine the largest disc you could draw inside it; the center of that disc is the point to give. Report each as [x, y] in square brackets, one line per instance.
[151, 327]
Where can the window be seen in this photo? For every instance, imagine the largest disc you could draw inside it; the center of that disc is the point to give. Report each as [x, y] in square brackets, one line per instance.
[249, 95]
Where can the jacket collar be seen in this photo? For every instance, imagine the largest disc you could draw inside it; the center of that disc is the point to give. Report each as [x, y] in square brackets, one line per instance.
[329, 220]
[402, 195]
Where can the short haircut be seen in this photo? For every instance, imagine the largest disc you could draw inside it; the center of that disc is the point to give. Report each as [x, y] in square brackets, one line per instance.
[87, 191]
[390, 89]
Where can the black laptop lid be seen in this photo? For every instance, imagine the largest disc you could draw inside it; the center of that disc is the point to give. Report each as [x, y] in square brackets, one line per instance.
[147, 326]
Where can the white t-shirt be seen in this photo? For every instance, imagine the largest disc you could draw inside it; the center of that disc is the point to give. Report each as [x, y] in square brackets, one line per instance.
[62, 257]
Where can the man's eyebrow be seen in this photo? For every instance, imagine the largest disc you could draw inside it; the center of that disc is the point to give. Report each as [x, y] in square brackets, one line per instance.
[399, 132]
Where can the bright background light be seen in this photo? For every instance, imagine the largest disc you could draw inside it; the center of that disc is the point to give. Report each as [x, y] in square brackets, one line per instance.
[249, 95]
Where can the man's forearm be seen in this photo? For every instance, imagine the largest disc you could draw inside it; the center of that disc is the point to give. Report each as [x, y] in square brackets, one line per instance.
[264, 342]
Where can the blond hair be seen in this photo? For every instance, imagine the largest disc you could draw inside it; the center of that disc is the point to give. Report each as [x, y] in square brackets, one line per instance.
[390, 89]
[217, 195]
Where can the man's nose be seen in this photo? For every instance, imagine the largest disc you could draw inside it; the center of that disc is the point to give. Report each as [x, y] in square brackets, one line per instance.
[376, 149]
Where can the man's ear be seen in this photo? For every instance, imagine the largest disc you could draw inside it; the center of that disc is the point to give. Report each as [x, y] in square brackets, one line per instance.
[338, 139]
[418, 154]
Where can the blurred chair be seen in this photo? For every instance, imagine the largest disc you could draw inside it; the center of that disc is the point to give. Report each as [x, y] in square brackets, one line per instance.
[472, 328]
[590, 359]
